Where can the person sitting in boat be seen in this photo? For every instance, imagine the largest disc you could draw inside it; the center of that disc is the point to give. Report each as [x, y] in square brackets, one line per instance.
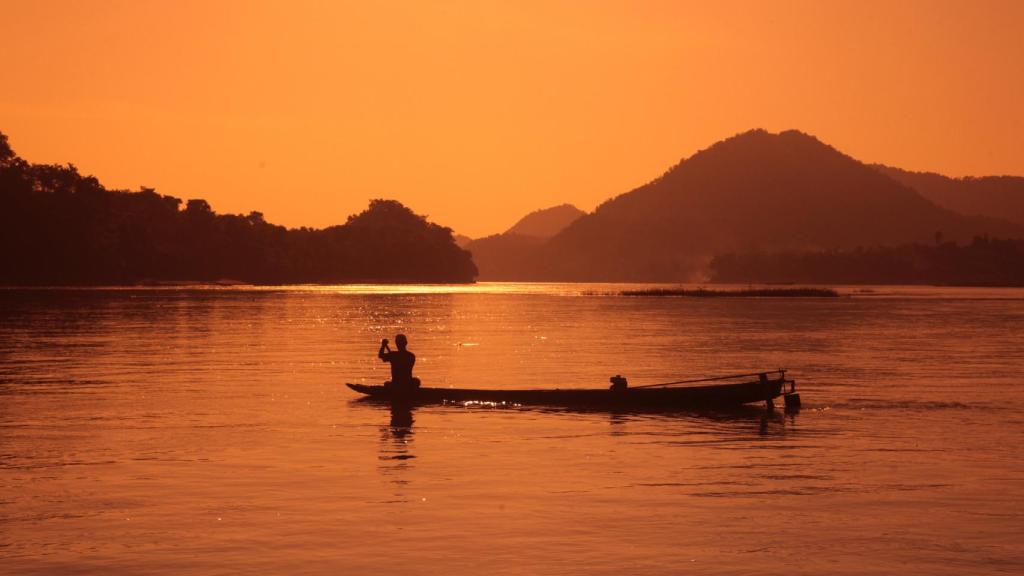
[401, 361]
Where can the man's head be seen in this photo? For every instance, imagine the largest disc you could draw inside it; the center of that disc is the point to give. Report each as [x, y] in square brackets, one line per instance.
[401, 341]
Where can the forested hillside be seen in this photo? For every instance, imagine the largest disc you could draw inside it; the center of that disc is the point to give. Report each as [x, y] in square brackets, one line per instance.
[59, 227]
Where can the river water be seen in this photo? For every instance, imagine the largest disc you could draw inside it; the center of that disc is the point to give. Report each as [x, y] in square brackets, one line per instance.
[208, 430]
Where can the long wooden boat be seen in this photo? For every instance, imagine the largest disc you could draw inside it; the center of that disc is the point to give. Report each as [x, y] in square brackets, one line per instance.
[766, 388]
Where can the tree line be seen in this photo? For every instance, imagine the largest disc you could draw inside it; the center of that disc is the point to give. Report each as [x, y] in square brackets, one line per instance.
[58, 227]
[984, 261]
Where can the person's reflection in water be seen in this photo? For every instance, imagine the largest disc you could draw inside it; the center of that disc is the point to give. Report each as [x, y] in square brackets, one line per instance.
[396, 442]
[401, 419]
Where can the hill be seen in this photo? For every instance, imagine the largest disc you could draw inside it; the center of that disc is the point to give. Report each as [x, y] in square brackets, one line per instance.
[512, 254]
[546, 222]
[994, 196]
[58, 227]
[756, 191]
[507, 256]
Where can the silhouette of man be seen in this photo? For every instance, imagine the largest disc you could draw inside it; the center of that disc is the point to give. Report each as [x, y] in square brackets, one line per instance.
[401, 364]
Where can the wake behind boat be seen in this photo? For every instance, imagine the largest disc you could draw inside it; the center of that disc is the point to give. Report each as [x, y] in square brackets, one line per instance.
[671, 395]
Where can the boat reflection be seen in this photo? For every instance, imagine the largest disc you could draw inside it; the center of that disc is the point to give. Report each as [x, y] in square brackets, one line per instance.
[742, 419]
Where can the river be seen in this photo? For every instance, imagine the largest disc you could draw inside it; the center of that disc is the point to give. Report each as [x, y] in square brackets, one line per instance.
[208, 430]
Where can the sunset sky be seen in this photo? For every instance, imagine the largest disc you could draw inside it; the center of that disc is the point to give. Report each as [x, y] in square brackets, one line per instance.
[477, 112]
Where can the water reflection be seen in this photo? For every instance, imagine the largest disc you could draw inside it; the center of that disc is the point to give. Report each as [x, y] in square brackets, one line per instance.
[127, 416]
[743, 421]
[401, 419]
[396, 442]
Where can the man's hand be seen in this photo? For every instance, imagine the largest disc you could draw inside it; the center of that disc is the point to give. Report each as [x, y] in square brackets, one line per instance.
[384, 342]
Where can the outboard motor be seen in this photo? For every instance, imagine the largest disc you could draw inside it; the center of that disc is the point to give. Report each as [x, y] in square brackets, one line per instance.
[619, 383]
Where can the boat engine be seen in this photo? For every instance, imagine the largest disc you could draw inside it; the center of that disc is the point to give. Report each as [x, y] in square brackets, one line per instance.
[618, 383]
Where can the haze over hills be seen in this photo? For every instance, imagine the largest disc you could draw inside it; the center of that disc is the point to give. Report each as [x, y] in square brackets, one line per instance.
[546, 222]
[756, 191]
[995, 196]
[512, 254]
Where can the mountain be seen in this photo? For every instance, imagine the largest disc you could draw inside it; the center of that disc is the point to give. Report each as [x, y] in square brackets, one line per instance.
[512, 254]
[506, 256]
[546, 222]
[995, 196]
[756, 191]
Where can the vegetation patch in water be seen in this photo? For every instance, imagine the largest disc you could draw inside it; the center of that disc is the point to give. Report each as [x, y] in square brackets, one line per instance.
[741, 293]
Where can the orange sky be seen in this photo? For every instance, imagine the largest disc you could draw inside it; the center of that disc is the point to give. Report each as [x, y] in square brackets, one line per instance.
[477, 112]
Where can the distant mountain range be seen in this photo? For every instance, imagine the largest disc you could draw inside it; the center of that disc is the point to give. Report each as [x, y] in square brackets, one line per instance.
[512, 254]
[755, 206]
[756, 191]
[547, 222]
[994, 196]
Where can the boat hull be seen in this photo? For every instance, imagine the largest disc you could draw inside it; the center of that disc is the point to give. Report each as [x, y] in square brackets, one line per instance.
[693, 397]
